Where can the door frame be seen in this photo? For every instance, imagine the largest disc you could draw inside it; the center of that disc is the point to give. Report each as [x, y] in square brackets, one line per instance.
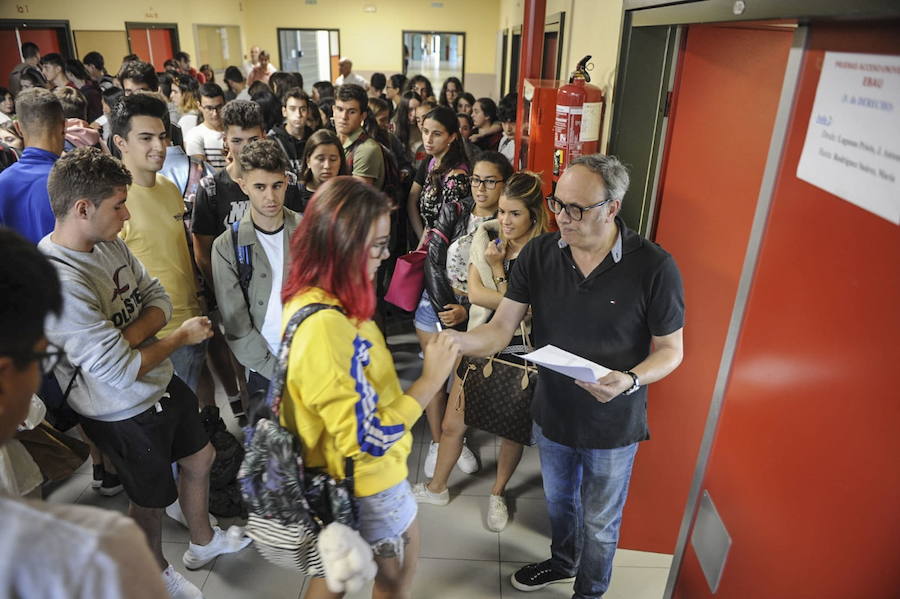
[66, 41]
[194, 29]
[330, 30]
[432, 32]
[173, 27]
[557, 23]
[668, 13]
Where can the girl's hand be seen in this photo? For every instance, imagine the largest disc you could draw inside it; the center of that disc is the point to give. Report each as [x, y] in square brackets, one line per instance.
[453, 315]
[495, 252]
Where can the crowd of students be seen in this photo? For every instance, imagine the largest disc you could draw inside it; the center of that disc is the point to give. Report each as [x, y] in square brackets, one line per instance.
[198, 259]
[186, 222]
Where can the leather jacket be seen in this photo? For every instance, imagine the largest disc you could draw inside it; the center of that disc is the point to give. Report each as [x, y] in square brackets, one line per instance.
[452, 221]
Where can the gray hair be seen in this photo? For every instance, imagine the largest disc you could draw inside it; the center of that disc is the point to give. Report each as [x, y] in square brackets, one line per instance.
[611, 170]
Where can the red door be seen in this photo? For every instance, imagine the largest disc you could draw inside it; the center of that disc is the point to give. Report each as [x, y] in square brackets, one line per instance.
[804, 469]
[710, 187]
[155, 46]
[46, 39]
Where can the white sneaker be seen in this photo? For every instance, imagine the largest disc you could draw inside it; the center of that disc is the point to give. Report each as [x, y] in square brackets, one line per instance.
[178, 586]
[174, 512]
[431, 459]
[467, 462]
[232, 541]
[497, 515]
[423, 495]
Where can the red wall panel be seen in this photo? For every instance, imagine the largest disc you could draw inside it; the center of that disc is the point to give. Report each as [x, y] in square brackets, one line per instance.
[46, 39]
[708, 196]
[804, 467]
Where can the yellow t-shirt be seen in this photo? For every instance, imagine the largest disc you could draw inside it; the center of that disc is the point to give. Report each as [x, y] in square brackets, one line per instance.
[343, 398]
[155, 234]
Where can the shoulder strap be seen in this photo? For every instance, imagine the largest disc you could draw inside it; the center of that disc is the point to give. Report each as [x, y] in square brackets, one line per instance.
[348, 153]
[276, 388]
[244, 262]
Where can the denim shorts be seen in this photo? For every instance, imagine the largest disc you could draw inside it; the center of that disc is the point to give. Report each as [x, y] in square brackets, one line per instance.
[425, 318]
[385, 516]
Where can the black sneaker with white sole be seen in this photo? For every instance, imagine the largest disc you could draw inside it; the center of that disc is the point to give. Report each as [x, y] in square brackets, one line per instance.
[97, 481]
[536, 576]
[111, 486]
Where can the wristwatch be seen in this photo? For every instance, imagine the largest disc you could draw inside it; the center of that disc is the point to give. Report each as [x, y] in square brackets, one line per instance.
[635, 382]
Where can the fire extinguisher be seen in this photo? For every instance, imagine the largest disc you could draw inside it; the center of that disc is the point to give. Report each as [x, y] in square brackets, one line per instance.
[579, 119]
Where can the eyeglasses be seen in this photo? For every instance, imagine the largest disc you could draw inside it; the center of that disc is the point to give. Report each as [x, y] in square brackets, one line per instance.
[48, 358]
[488, 183]
[377, 250]
[216, 108]
[573, 211]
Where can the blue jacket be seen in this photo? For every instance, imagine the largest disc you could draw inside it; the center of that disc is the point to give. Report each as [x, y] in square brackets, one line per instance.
[24, 201]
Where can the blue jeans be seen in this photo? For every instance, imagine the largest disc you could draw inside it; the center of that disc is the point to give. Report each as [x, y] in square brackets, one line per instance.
[585, 491]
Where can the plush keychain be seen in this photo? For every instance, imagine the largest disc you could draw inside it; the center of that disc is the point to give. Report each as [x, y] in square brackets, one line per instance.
[346, 557]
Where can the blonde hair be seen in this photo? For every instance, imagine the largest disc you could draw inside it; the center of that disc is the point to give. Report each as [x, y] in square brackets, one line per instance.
[525, 186]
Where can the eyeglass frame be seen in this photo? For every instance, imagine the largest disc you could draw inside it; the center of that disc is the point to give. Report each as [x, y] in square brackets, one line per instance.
[485, 181]
[563, 207]
[47, 360]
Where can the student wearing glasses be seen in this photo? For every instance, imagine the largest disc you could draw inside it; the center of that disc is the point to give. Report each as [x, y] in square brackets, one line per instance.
[342, 396]
[205, 141]
[601, 291]
[77, 551]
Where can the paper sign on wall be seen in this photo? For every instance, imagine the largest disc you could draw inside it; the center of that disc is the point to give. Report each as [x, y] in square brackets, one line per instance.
[852, 146]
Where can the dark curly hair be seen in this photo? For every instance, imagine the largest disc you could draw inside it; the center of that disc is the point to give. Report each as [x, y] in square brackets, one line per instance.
[264, 154]
[242, 113]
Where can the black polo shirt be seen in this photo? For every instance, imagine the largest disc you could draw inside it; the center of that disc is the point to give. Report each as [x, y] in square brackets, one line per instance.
[607, 317]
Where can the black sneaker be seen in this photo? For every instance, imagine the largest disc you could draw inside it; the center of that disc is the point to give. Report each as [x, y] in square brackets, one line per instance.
[111, 486]
[237, 408]
[536, 576]
[98, 477]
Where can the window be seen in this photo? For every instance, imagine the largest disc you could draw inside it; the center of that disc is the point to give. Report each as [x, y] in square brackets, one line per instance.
[435, 54]
[314, 53]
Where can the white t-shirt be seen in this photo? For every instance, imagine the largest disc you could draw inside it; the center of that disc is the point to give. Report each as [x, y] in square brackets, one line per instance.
[458, 254]
[352, 78]
[73, 551]
[187, 122]
[273, 245]
[203, 141]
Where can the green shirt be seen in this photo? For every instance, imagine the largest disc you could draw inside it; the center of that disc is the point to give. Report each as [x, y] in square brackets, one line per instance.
[367, 159]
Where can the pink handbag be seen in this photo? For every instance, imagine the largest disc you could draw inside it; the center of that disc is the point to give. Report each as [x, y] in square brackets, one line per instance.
[408, 280]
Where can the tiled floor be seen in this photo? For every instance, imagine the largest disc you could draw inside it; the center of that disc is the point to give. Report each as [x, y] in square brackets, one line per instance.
[460, 558]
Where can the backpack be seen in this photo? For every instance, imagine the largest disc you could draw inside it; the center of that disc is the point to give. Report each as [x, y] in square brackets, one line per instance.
[224, 491]
[289, 504]
[243, 261]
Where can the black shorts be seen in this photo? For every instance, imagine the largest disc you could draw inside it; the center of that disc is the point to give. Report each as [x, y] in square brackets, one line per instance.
[143, 447]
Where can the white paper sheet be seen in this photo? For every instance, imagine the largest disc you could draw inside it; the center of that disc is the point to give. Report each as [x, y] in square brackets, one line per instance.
[563, 362]
[852, 146]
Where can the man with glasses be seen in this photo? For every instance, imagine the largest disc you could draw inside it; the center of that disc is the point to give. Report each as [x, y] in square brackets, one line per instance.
[53, 550]
[205, 141]
[599, 290]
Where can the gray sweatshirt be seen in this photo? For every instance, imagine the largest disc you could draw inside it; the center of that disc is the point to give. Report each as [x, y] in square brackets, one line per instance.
[104, 291]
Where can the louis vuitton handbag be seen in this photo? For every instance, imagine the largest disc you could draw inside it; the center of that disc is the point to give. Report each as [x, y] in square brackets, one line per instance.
[498, 395]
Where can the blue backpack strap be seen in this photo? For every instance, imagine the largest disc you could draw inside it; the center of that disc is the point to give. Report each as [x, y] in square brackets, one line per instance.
[244, 262]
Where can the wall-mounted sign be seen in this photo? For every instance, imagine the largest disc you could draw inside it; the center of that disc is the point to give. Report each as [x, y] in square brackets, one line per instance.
[852, 146]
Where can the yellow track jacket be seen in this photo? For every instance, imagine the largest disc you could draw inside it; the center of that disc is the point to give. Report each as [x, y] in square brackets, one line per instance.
[343, 398]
